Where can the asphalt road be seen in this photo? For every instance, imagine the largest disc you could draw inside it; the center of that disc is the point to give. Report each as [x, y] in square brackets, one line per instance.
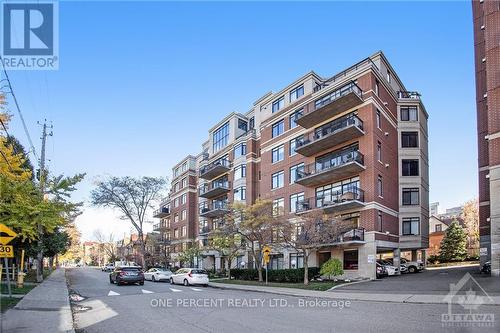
[163, 307]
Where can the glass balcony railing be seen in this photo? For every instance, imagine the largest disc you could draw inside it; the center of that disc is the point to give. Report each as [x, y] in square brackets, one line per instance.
[214, 189]
[161, 212]
[214, 209]
[215, 168]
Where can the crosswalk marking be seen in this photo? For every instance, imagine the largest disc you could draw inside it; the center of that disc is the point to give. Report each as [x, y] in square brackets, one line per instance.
[195, 289]
[113, 293]
[175, 290]
[147, 291]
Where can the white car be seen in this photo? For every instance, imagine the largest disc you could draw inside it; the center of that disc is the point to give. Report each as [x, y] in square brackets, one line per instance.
[157, 274]
[391, 270]
[188, 276]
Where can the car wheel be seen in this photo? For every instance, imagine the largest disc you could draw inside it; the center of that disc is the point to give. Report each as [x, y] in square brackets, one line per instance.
[186, 282]
[172, 281]
[153, 278]
[118, 283]
[141, 283]
[412, 269]
[110, 280]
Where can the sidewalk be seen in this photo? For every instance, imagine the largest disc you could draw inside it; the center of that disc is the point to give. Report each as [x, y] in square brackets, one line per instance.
[45, 308]
[386, 297]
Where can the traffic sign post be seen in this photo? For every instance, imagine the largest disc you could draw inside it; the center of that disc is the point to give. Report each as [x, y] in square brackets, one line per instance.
[6, 235]
[266, 256]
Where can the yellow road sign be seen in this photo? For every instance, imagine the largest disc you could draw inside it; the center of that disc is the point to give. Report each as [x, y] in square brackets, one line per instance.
[6, 234]
[6, 251]
[266, 254]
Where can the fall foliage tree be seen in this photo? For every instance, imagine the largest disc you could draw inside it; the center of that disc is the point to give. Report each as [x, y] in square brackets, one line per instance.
[470, 216]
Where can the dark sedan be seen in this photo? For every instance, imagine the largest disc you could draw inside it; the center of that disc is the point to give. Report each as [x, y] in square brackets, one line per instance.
[130, 274]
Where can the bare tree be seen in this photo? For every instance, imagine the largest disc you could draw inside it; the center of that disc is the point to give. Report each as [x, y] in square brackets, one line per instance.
[132, 197]
[107, 243]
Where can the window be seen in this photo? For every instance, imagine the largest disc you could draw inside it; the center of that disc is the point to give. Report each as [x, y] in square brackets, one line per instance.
[184, 231]
[278, 128]
[251, 123]
[278, 179]
[411, 226]
[278, 104]
[240, 193]
[242, 125]
[389, 78]
[379, 151]
[409, 113]
[377, 84]
[410, 196]
[176, 233]
[334, 192]
[240, 172]
[220, 137]
[176, 202]
[276, 261]
[410, 167]
[439, 227]
[379, 221]
[294, 116]
[278, 207]
[183, 214]
[296, 93]
[176, 217]
[278, 154]
[240, 150]
[184, 182]
[380, 186]
[296, 260]
[293, 144]
[350, 259]
[183, 198]
[379, 124]
[409, 139]
[295, 199]
[293, 172]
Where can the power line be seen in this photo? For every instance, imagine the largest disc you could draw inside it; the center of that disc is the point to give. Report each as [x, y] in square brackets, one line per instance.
[32, 147]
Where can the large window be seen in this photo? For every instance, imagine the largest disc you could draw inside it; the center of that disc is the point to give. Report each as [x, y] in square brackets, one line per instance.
[240, 171]
[410, 167]
[296, 93]
[350, 259]
[242, 124]
[278, 154]
[409, 139]
[221, 137]
[240, 193]
[294, 116]
[409, 113]
[295, 199]
[410, 196]
[240, 150]
[411, 226]
[278, 104]
[276, 261]
[296, 260]
[278, 206]
[293, 144]
[293, 172]
[277, 179]
[278, 128]
[333, 192]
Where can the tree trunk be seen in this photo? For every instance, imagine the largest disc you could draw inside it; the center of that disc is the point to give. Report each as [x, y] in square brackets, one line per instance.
[39, 266]
[229, 267]
[306, 268]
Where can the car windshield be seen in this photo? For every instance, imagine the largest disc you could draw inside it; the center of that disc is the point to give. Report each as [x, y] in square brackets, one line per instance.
[164, 271]
[198, 271]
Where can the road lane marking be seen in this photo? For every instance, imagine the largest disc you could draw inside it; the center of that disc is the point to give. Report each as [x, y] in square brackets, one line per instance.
[112, 293]
[175, 290]
[196, 289]
[147, 291]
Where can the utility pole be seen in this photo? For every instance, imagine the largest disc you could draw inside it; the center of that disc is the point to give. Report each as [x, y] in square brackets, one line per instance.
[42, 180]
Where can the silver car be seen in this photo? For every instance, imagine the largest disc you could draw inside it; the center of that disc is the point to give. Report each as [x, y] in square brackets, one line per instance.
[157, 274]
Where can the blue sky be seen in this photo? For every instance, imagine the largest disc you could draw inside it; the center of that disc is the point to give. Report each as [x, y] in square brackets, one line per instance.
[140, 83]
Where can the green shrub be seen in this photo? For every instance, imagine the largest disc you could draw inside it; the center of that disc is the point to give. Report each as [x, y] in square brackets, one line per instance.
[293, 275]
[332, 267]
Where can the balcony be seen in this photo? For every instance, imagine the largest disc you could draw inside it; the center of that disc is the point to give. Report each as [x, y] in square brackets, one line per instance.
[341, 165]
[162, 226]
[408, 95]
[332, 134]
[336, 102]
[203, 231]
[162, 212]
[348, 199]
[215, 209]
[215, 189]
[214, 169]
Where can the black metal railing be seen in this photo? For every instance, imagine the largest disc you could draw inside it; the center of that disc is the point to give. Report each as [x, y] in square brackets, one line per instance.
[204, 230]
[223, 184]
[215, 205]
[345, 194]
[330, 128]
[224, 162]
[357, 234]
[336, 94]
[162, 210]
[156, 226]
[336, 160]
[409, 94]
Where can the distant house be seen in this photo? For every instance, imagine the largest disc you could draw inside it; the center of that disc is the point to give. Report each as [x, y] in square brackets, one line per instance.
[437, 228]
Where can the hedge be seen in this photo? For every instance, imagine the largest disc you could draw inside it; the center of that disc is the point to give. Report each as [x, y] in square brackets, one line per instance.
[275, 275]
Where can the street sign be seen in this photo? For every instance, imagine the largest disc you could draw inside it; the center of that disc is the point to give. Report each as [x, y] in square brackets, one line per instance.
[266, 254]
[6, 251]
[6, 234]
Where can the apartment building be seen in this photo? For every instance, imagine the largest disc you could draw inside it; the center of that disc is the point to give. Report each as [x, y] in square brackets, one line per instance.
[486, 18]
[353, 145]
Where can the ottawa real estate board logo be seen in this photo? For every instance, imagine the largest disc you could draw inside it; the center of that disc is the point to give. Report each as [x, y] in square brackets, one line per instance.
[30, 35]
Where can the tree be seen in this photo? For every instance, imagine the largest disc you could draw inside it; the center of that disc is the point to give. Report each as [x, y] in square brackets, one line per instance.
[107, 243]
[453, 245]
[227, 243]
[311, 232]
[132, 197]
[188, 255]
[74, 253]
[332, 267]
[470, 216]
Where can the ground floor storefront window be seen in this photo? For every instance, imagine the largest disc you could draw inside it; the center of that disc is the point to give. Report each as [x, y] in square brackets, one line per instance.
[350, 259]
[276, 261]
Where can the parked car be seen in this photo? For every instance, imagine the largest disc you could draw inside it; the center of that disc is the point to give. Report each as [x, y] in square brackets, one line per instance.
[381, 271]
[486, 268]
[188, 276]
[413, 266]
[108, 268]
[157, 274]
[391, 270]
[126, 274]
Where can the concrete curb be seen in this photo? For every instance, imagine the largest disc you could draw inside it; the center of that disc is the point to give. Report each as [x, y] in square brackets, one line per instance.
[390, 298]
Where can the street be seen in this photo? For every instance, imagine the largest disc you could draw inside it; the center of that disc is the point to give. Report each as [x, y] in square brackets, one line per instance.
[161, 306]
